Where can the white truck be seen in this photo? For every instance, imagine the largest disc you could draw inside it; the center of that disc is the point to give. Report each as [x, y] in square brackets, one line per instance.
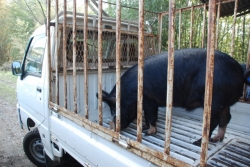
[59, 123]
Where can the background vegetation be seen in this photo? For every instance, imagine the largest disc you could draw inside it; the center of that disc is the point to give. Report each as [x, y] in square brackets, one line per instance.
[7, 86]
[242, 26]
[19, 18]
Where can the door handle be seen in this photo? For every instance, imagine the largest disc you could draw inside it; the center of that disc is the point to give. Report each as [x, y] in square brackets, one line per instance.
[39, 90]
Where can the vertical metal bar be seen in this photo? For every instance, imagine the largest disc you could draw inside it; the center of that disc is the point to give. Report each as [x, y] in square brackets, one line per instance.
[209, 82]
[217, 25]
[233, 30]
[49, 49]
[204, 26]
[128, 48]
[191, 27]
[85, 36]
[179, 35]
[118, 63]
[159, 32]
[140, 71]
[74, 57]
[243, 35]
[100, 62]
[65, 55]
[247, 66]
[170, 77]
[248, 56]
[57, 59]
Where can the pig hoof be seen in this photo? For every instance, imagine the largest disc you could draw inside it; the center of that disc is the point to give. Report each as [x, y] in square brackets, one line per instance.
[216, 139]
[149, 134]
[151, 131]
[145, 129]
[197, 143]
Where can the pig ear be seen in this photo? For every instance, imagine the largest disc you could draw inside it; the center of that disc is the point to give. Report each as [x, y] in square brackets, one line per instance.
[104, 95]
[107, 98]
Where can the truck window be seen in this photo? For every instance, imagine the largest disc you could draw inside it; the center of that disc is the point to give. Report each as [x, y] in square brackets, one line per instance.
[34, 58]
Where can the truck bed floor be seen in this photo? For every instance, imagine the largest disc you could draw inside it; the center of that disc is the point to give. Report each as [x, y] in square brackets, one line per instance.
[234, 150]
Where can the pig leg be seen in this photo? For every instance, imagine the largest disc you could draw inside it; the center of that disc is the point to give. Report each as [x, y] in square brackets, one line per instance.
[146, 126]
[151, 112]
[214, 121]
[225, 117]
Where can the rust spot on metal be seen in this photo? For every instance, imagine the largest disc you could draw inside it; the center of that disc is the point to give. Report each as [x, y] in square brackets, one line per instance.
[89, 125]
[158, 158]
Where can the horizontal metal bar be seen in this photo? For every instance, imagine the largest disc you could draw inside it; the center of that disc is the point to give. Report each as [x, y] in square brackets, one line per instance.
[158, 158]
[197, 6]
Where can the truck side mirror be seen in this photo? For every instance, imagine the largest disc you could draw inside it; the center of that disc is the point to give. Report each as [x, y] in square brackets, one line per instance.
[16, 68]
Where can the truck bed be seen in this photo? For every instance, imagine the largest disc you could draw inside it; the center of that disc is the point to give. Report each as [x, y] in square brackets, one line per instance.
[187, 128]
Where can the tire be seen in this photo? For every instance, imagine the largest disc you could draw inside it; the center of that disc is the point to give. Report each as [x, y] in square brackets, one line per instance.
[33, 148]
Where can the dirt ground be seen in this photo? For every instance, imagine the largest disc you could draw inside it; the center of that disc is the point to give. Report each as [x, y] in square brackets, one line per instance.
[11, 149]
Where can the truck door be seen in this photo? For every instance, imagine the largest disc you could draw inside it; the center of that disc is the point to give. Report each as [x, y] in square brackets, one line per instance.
[30, 87]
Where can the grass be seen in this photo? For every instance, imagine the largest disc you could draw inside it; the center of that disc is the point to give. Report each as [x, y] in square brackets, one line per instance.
[7, 86]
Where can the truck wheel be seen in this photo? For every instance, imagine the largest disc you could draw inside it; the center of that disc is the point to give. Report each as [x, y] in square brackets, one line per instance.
[33, 148]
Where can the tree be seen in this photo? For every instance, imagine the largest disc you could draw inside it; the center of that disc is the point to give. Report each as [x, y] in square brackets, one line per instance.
[18, 20]
[4, 35]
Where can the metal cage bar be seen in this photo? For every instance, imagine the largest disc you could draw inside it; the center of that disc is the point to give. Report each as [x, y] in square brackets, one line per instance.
[118, 64]
[208, 82]
[74, 57]
[170, 77]
[85, 36]
[204, 25]
[57, 59]
[64, 55]
[248, 56]
[191, 27]
[49, 49]
[159, 32]
[233, 30]
[140, 71]
[179, 35]
[100, 62]
[247, 66]
[217, 25]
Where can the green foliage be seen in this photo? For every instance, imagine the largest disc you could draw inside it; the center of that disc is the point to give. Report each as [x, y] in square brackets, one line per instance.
[18, 20]
[7, 85]
[198, 37]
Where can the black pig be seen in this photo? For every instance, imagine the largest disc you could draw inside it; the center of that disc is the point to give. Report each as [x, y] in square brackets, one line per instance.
[189, 88]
